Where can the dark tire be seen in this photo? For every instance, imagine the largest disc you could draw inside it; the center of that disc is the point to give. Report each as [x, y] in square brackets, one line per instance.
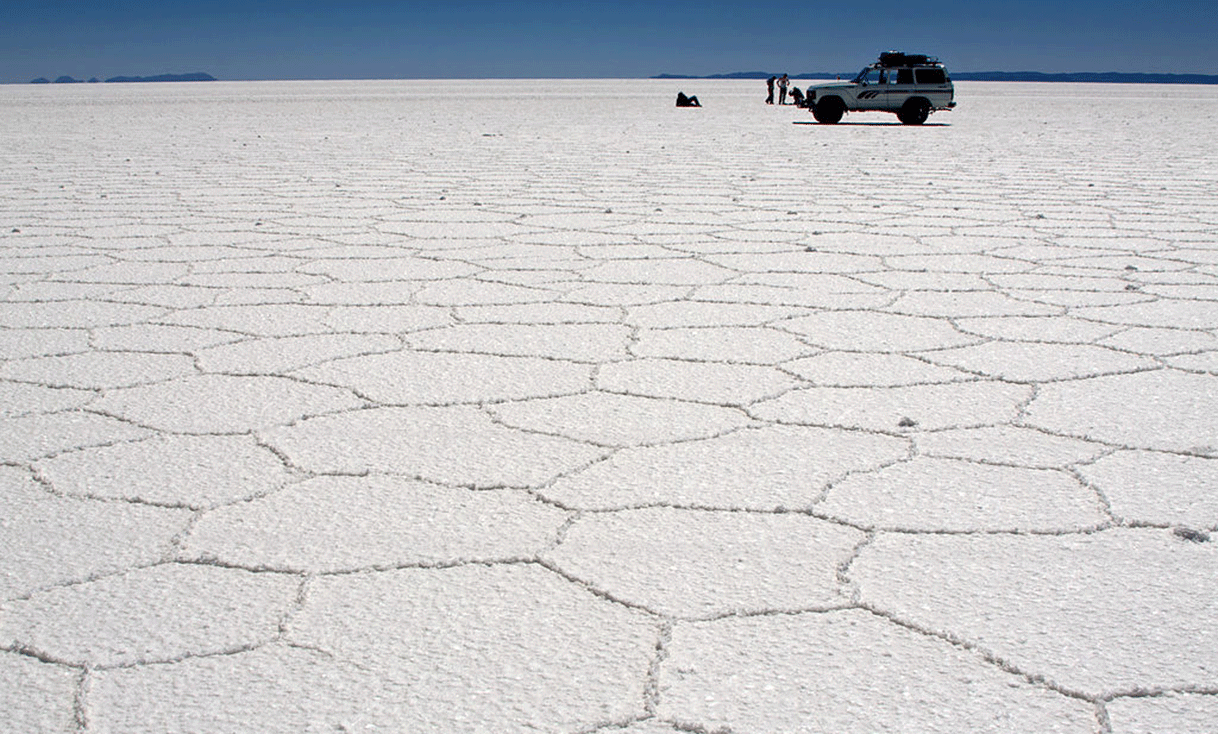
[914, 111]
[829, 110]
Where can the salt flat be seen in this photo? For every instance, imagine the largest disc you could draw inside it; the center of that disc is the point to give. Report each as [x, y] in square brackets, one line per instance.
[493, 406]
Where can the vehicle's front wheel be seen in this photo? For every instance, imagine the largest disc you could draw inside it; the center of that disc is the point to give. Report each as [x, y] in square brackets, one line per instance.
[828, 110]
[914, 111]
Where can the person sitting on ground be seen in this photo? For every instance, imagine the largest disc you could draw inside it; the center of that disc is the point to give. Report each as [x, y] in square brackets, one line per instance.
[683, 101]
[798, 96]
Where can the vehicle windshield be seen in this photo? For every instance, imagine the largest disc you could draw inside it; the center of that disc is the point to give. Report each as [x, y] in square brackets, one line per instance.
[862, 75]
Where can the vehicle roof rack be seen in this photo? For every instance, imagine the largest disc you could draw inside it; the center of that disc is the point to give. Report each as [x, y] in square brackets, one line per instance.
[899, 58]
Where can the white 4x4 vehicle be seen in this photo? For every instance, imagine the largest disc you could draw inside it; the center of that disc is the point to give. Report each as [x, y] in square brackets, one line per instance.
[910, 85]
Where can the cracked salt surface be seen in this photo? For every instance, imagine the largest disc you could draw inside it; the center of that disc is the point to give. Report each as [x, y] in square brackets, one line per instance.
[591, 417]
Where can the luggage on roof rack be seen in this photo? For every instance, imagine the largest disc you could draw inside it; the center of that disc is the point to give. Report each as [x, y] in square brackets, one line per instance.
[898, 58]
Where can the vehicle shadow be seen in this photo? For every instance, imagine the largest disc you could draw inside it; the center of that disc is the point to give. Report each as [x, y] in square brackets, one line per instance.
[869, 124]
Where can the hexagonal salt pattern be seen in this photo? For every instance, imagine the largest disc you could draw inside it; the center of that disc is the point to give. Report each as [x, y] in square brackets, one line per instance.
[242, 690]
[441, 378]
[1158, 488]
[50, 539]
[608, 419]
[846, 671]
[949, 495]
[933, 406]
[1009, 445]
[156, 614]
[183, 471]
[1113, 612]
[37, 696]
[331, 524]
[687, 563]
[223, 404]
[98, 370]
[37, 435]
[455, 445]
[766, 468]
[539, 651]
[581, 413]
[1163, 409]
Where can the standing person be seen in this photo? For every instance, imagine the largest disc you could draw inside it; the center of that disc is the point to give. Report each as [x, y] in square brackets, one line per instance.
[769, 84]
[782, 89]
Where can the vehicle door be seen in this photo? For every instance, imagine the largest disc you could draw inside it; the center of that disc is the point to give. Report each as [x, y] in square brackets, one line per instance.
[900, 88]
[872, 89]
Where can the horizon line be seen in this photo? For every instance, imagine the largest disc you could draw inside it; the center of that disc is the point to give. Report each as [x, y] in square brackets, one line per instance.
[666, 76]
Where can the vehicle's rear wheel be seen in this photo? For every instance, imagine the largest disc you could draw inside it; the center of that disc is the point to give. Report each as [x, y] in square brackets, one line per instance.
[914, 111]
[828, 110]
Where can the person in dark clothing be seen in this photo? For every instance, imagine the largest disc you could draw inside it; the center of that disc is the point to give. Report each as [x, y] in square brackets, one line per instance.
[769, 84]
[683, 101]
[798, 96]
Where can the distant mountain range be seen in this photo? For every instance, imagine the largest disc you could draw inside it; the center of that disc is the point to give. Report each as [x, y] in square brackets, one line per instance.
[1112, 77]
[197, 76]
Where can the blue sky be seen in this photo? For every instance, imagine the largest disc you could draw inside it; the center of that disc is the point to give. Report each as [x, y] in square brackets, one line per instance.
[309, 39]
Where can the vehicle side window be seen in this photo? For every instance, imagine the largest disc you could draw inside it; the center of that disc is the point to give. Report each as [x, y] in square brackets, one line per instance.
[905, 76]
[931, 76]
[873, 76]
